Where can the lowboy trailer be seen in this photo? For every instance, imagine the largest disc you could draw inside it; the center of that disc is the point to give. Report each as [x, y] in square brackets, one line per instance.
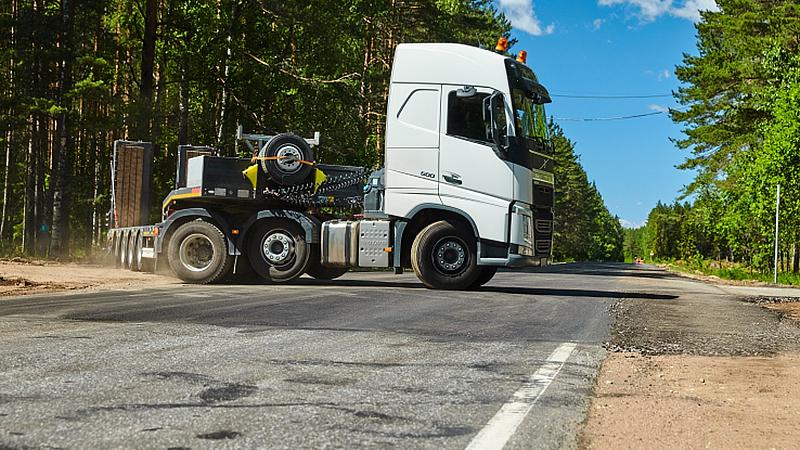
[467, 187]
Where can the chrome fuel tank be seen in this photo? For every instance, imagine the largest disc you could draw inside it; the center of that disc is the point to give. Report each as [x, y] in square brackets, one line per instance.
[339, 243]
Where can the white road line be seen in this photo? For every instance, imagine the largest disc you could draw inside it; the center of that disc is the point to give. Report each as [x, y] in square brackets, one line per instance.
[504, 424]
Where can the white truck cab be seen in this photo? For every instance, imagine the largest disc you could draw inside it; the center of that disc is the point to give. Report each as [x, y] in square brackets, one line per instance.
[466, 134]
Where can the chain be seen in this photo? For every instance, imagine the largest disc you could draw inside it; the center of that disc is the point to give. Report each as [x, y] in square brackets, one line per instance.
[304, 195]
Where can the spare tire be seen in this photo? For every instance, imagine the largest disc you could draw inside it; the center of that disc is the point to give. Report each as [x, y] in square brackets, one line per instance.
[290, 150]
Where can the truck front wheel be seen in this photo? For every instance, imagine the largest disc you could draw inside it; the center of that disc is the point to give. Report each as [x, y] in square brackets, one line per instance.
[198, 254]
[277, 250]
[444, 257]
[486, 275]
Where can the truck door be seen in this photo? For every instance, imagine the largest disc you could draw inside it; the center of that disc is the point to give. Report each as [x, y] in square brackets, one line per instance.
[472, 177]
[412, 147]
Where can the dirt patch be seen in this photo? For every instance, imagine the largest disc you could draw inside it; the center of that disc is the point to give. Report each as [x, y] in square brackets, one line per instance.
[790, 310]
[784, 306]
[17, 285]
[26, 278]
[678, 401]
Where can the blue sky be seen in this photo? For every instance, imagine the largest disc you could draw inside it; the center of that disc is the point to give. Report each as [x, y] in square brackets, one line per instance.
[614, 47]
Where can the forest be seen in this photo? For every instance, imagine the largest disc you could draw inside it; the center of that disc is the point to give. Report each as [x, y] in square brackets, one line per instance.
[741, 115]
[75, 76]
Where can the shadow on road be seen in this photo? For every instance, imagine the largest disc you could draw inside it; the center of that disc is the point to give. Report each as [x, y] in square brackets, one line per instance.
[604, 269]
[576, 293]
[490, 288]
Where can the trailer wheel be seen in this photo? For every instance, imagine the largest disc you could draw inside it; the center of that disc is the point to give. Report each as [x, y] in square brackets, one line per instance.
[290, 149]
[135, 251]
[197, 253]
[319, 272]
[486, 275]
[277, 250]
[123, 250]
[444, 257]
[115, 250]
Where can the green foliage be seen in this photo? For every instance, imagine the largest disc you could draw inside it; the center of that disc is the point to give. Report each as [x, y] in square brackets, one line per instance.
[320, 65]
[585, 230]
[741, 96]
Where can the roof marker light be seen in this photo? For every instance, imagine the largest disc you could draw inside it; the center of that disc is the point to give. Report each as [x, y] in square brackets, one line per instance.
[522, 56]
[502, 45]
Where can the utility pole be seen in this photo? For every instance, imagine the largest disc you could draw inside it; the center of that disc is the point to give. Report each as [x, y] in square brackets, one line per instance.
[777, 214]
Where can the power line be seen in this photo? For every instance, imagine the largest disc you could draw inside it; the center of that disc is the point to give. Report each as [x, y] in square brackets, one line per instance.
[611, 97]
[607, 119]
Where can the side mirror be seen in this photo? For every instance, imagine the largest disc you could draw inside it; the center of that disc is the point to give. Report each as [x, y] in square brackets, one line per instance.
[494, 117]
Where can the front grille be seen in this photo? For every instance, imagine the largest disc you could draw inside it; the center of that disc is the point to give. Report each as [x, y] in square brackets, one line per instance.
[542, 196]
[544, 226]
[543, 247]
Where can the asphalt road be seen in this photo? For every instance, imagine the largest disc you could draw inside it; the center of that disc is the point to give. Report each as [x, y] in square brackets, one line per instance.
[372, 360]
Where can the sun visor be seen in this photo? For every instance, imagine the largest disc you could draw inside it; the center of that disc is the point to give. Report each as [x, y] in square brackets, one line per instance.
[536, 91]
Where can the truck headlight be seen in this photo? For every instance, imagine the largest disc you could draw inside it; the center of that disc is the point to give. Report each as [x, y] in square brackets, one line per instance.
[524, 216]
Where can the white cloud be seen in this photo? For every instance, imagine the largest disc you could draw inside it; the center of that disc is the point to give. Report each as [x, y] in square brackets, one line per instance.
[597, 23]
[649, 10]
[522, 15]
[663, 75]
[691, 9]
[630, 224]
[659, 108]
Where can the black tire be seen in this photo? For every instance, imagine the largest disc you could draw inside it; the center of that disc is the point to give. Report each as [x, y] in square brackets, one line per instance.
[135, 252]
[136, 258]
[287, 172]
[115, 250]
[198, 253]
[445, 257]
[277, 250]
[486, 275]
[319, 272]
[123, 251]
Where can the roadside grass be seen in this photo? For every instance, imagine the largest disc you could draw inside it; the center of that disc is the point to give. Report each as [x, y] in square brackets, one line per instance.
[729, 271]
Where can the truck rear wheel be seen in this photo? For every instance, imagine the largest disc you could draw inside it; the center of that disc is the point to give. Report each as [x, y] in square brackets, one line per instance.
[277, 250]
[319, 272]
[486, 275]
[444, 257]
[198, 253]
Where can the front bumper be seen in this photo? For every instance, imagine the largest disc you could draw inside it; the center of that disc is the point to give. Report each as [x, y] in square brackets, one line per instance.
[519, 261]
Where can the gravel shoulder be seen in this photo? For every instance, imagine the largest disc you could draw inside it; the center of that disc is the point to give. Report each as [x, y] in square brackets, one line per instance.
[39, 277]
[714, 367]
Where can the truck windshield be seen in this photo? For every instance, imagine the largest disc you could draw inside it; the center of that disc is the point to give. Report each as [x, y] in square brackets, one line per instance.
[530, 119]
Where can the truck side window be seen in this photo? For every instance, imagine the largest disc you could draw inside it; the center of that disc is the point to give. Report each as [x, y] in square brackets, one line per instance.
[465, 117]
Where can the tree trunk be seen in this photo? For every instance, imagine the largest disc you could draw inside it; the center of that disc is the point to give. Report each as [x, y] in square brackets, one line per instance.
[10, 132]
[29, 226]
[183, 104]
[3, 221]
[223, 107]
[796, 259]
[62, 162]
[147, 67]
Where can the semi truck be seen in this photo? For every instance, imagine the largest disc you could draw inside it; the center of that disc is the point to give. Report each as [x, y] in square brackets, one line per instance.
[467, 187]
